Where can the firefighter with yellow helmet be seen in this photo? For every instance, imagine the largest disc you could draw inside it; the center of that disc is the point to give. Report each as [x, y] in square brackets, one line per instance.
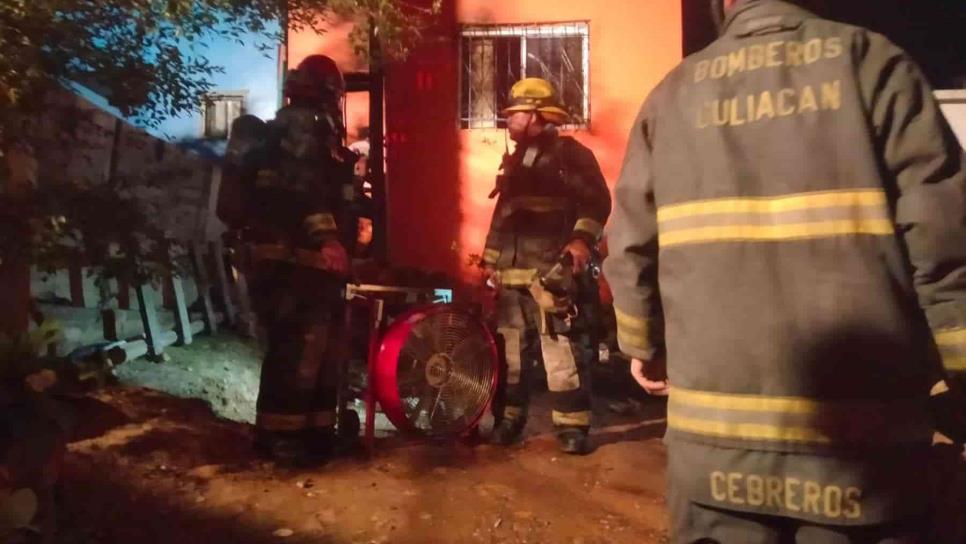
[288, 190]
[553, 203]
[790, 233]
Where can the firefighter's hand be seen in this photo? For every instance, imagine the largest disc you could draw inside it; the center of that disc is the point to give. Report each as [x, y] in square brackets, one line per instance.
[580, 253]
[336, 258]
[651, 376]
[489, 277]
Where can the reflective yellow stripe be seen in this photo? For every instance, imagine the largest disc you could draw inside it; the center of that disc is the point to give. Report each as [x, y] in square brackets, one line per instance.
[749, 403]
[517, 277]
[319, 222]
[774, 205]
[589, 226]
[632, 331]
[796, 419]
[631, 341]
[631, 323]
[957, 364]
[281, 422]
[745, 431]
[513, 413]
[572, 418]
[814, 215]
[540, 204]
[266, 178]
[952, 346]
[752, 233]
[491, 256]
[951, 337]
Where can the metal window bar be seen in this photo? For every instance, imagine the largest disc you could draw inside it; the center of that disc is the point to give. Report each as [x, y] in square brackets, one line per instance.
[558, 52]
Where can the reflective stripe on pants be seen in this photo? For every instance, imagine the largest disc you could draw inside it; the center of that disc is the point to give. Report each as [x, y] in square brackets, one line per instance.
[518, 330]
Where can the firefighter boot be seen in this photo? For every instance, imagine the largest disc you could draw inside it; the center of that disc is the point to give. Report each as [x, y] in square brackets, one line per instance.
[507, 431]
[286, 449]
[321, 444]
[573, 440]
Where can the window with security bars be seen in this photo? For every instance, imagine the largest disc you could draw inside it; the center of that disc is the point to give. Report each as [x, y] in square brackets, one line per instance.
[220, 111]
[494, 57]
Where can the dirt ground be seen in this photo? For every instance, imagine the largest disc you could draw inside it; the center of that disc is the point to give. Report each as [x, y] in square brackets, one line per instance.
[148, 467]
[222, 370]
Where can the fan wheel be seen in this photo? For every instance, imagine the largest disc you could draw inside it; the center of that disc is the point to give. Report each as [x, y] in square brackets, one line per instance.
[436, 371]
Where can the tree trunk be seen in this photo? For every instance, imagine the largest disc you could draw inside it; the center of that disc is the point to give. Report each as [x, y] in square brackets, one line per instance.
[21, 173]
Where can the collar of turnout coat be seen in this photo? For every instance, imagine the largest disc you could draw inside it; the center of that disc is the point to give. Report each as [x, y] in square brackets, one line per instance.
[762, 16]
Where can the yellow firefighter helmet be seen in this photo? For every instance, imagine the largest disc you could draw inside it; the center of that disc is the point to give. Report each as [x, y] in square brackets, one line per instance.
[536, 94]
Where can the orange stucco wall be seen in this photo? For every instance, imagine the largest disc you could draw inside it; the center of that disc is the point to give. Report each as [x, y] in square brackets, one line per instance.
[440, 176]
[633, 44]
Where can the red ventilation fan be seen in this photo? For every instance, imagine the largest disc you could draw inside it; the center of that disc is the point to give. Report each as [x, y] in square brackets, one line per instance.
[436, 371]
[433, 370]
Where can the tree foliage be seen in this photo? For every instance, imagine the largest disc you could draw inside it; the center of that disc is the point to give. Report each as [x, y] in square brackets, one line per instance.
[146, 55]
[148, 58]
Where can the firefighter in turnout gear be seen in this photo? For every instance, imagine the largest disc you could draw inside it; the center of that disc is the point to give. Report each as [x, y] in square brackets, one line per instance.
[553, 203]
[289, 195]
[790, 233]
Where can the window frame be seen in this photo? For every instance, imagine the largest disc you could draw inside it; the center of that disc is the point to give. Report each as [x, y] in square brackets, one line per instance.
[211, 98]
[568, 29]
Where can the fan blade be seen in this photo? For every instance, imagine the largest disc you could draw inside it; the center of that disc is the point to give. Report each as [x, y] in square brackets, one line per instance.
[439, 395]
[420, 348]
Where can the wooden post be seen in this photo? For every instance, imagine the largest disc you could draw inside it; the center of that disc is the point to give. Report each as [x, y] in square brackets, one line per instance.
[204, 287]
[224, 285]
[246, 316]
[181, 318]
[123, 294]
[168, 300]
[376, 309]
[247, 322]
[149, 317]
[75, 273]
[111, 332]
[377, 163]
[21, 167]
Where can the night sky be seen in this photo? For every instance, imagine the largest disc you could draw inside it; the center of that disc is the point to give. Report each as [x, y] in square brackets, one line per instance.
[933, 31]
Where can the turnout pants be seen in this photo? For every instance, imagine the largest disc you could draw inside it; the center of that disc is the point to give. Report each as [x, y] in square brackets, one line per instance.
[693, 523]
[300, 310]
[519, 332]
[936, 518]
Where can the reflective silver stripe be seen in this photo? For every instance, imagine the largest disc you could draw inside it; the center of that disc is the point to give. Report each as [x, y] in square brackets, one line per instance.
[572, 418]
[797, 420]
[517, 277]
[491, 256]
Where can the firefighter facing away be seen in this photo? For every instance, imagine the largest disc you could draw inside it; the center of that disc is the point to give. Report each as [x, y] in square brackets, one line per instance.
[286, 188]
[790, 233]
[553, 203]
